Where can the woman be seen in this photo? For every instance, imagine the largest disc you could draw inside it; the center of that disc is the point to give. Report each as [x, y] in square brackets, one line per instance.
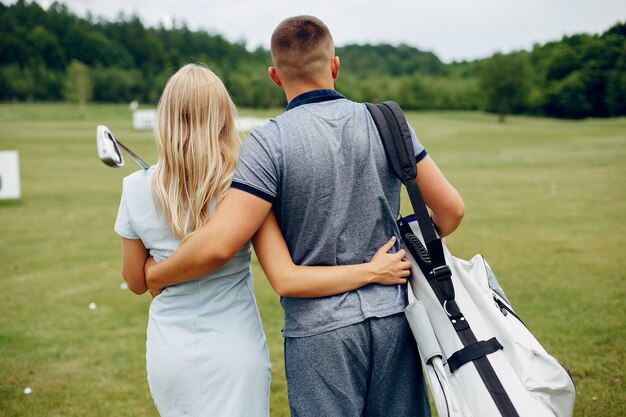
[206, 350]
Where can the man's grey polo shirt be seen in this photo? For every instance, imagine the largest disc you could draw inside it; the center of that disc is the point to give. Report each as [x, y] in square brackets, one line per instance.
[323, 166]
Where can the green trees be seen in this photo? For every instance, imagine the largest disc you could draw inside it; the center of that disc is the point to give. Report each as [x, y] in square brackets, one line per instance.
[124, 59]
[616, 87]
[504, 80]
[114, 84]
[78, 85]
[384, 59]
[578, 76]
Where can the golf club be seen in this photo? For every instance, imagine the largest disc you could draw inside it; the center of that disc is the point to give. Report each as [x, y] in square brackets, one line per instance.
[109, 152]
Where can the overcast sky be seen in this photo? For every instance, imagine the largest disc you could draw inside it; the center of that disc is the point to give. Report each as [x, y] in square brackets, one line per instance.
[452, 29]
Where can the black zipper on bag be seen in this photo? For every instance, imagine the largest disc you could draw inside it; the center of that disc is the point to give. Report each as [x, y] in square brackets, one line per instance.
[506, 309]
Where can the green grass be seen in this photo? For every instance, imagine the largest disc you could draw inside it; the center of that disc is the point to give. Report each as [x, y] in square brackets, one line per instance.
[545, 204]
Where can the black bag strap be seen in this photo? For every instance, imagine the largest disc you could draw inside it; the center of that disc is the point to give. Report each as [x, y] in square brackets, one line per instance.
[392, 126]
[395, 135]
[396, 138]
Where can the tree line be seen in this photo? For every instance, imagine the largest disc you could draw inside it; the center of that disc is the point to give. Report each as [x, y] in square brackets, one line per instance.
[53, 55]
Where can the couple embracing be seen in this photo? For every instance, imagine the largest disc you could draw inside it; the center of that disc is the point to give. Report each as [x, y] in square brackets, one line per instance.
[313, 192]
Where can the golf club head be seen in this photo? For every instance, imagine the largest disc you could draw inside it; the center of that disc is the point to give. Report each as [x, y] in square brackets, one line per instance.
[108, 151]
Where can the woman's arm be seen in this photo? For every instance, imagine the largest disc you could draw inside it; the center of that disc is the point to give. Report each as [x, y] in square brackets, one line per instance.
[289, 280]
[134, 256]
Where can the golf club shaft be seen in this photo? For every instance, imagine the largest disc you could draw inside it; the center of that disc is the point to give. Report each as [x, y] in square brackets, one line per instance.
[132, 154]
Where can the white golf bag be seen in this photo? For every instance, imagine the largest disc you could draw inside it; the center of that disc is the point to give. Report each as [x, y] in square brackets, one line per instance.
[479, 358]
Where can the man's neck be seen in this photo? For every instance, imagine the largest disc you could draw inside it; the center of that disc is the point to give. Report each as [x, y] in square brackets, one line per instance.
[293, 91]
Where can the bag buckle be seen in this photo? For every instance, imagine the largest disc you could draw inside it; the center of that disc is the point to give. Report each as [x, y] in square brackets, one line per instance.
[441, 272]
[454, 315]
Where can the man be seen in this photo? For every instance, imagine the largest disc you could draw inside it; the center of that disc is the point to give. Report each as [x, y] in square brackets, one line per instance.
[322, 168]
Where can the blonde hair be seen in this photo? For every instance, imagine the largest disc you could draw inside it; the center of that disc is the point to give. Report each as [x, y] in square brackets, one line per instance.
[302, 48]
[197, 145]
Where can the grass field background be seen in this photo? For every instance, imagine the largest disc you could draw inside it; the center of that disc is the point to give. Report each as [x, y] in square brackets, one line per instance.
[545, 204]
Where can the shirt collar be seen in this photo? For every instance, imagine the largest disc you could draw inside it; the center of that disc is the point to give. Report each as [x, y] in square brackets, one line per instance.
[315, 96]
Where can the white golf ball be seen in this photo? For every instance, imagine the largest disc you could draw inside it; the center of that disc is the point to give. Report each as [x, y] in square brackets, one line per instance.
[554, 188]
[27, 390]
[92, 306]
[124, 286]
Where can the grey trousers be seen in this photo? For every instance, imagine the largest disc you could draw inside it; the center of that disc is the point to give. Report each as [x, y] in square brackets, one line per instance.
[369, 369]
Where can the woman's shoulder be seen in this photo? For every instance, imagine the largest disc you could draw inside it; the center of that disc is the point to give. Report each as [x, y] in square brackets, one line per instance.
[139, 179]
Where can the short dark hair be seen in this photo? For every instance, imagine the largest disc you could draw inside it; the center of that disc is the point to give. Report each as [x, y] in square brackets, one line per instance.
[302, 46]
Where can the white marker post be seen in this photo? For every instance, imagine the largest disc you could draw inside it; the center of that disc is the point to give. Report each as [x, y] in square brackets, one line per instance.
[9, 175]
[247, 123]
[144, 119]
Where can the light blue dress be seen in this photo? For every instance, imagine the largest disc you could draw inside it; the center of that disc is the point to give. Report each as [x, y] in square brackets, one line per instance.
[206, 352]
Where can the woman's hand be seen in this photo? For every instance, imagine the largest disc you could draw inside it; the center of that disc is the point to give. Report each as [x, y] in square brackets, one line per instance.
[390, 268]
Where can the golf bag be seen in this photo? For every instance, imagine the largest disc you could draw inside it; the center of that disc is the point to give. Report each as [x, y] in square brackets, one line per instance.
[480, 360]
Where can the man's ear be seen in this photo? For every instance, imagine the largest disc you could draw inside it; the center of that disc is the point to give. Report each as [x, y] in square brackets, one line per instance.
[334, 67]
[271, 71]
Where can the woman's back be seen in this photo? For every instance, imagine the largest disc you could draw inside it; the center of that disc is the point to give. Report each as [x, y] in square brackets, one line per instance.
[205, 342]
[139, 218]
[206, 353]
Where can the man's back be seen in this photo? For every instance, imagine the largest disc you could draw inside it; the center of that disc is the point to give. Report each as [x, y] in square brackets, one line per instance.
[324, 167]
